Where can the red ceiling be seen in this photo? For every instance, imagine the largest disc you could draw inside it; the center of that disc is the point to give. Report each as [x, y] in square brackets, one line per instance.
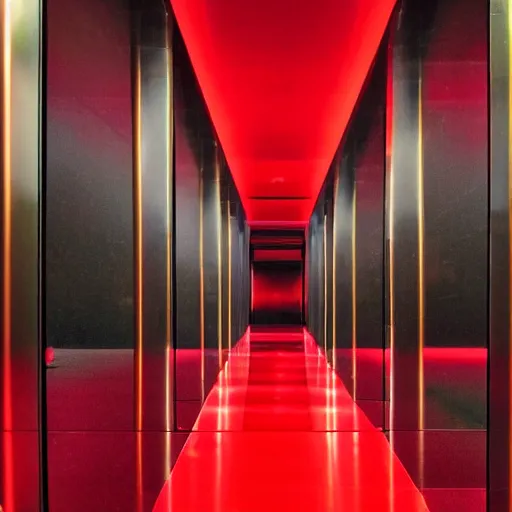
[280, 78]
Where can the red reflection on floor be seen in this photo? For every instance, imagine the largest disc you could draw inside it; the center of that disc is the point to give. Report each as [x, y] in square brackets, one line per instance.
[279, 432]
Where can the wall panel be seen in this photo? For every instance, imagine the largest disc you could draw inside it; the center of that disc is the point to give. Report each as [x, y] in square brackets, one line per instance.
[500, 277]
[208, 215]
[437, 214]
[21, 192]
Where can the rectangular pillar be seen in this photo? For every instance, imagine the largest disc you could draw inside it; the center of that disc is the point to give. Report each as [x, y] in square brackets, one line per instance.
[204, 241]
[153, 215]
[500, 275]
[437, 222]
[359, 226]
[21, 345]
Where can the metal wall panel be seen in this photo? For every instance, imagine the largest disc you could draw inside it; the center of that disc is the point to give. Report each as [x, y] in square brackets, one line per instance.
[20, 346]
[89, 247]
[358, 170]
[153, 205]
[437, 212]
[500, 369]
[89, 217]
[405, 213]
[206, 202]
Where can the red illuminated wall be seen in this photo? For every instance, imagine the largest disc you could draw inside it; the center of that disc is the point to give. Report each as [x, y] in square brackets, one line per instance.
[277, 292]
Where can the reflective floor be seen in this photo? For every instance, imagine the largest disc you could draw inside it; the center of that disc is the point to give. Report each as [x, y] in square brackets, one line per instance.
[278, 431]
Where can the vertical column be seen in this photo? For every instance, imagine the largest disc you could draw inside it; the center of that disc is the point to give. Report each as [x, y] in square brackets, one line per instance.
[225, 257]
[153, 239]
[316, 276]
[153, 185]
[20, 346]
[328, 270]
[89, 246]
[212, 256]
[438, 242]
[345, 263]
[405, 217]
[500, 340]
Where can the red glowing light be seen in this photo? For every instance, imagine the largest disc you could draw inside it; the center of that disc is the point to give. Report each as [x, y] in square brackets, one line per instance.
[277, 288]
[280, 80]
[49, 356]
[279, 432]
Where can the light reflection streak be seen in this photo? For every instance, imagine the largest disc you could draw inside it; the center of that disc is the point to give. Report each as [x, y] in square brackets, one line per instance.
[509, 30]
[139, 470]
[421, 273]
[137, 121]
[7, 216]
[354, 290]
[169, 255]
[219, 257]
[7, 420]
[325, 284]
[391, 267]
[334, 299]
[229, 276]
[201, 281]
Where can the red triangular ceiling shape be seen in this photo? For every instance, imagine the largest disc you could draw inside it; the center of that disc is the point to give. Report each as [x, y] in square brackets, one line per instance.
[280, 78]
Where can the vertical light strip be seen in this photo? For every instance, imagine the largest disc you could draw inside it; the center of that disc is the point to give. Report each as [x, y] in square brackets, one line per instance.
[229, 276]
[169, 255]
[334, 299]
[7, 217]
[325, 285]
[7, 423]
[354, 290]
[509, 42]
[391, 266]
[391, 263]
[219, 258]
[421, 280]
[201, 279]
[140, 481]
[137, 120]
[421, 255]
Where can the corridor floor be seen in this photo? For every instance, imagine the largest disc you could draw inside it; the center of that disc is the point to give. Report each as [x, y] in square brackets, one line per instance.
[280, 432]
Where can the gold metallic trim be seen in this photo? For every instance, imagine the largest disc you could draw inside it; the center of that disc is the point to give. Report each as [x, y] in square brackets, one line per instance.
[137, 121]
[334, 298]
[219, 258]
[140, 472]
[421, 253]
[229, 276]
[169, 256]
[391, 267]
[509, 48]
[7, 216]
[354, 289]
[201, 281]
[325, 284]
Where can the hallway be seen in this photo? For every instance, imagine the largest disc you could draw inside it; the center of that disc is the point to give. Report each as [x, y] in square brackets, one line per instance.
[256, 256]
[279, 432]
